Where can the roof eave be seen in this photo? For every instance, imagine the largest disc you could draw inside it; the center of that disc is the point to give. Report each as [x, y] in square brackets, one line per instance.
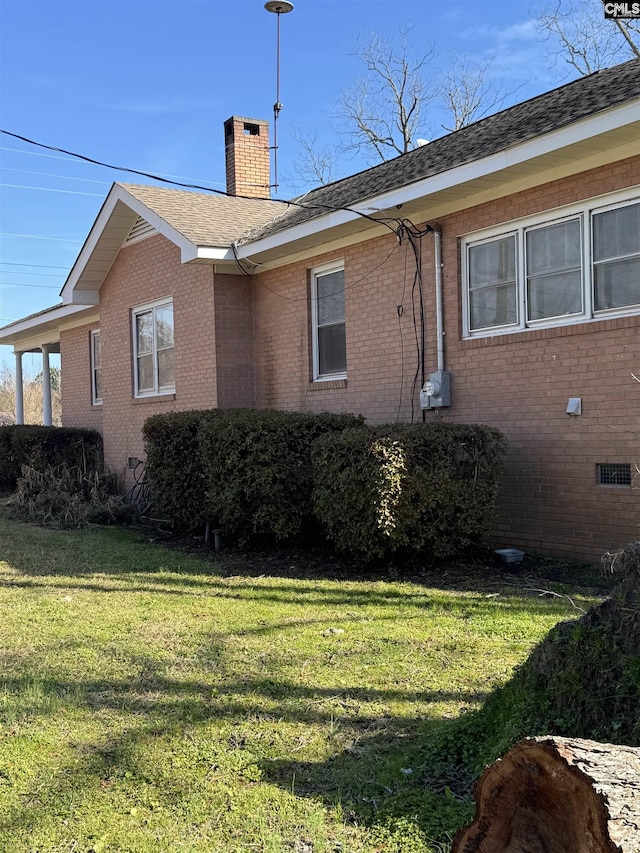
[492, 169]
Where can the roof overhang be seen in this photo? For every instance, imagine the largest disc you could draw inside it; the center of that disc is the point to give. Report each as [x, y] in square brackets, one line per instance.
[32, 333]
[607, 137]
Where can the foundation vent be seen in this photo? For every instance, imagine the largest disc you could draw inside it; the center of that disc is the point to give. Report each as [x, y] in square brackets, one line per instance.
[613, 474]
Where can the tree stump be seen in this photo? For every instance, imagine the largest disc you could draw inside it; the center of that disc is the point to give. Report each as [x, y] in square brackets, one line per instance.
[557, 795]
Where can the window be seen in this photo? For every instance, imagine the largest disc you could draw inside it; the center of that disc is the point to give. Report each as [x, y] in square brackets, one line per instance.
[96, 369]
[328, 322]
[153, 349]
[549, 271]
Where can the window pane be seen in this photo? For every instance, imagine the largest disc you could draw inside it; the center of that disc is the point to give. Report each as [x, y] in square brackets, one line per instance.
[617, 283]
[555, 295]
[330, 296]
[332, 350]
[554, 248]
[97, 350]
[144, 327]
[145, 373]
[97, 385]
[164, 326]
[616, 232]
[492, 263]
[166, 375]
[493, 306]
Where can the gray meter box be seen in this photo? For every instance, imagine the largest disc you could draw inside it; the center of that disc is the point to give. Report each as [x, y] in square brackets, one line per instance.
[436, 392]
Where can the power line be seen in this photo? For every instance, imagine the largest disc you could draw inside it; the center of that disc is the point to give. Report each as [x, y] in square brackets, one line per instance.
[51, 190]
[203, 188]
[26, 272]
[73, 159]
[23, 284]
[53, 175]
[44, 266]
[39, 237]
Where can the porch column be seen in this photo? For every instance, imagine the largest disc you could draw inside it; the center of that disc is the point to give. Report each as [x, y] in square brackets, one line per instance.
[46, 387]
[19, 390]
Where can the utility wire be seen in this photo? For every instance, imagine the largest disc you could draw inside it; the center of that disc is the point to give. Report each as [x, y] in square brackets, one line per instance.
[203, 188]
[45, 266]
[23, 284]
[51, 190]
[40, 237]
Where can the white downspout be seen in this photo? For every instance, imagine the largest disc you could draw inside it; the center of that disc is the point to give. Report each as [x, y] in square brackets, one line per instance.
[437, 251]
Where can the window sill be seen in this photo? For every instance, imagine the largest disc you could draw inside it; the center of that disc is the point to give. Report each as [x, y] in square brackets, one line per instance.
[154, 398]
[327, 384]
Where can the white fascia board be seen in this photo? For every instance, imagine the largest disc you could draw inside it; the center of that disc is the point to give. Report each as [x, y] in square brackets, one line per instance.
[580, 131]
[117, 193]
[210, 253]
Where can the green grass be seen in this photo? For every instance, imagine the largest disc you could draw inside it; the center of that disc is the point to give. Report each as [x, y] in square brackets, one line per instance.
[154, 701]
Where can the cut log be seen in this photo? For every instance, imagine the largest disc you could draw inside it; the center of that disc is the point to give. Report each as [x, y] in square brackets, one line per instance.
[557, 795]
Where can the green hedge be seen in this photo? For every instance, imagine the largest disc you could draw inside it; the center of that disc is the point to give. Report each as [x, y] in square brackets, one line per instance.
[258, 470]
[41, 446]
[407, 488]
[173, 468]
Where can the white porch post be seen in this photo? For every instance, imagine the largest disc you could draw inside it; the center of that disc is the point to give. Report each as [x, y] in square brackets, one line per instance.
[19, 390]
[46, 387]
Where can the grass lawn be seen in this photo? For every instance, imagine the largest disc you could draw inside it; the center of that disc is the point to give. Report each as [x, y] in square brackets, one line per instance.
[154, 701]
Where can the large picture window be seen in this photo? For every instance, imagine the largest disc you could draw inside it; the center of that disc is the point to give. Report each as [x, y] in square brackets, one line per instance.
[328, 322]
[153, 349]
[549, 271]
[96, 369]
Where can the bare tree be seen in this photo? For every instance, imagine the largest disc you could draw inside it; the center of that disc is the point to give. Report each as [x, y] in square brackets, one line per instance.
[386, 108]
[385, 112]
[315, 165]
[579, 34]
[468, 93]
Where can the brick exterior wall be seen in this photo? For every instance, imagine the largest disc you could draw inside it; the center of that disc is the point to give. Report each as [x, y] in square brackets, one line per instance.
[244, 342]
[235, 357]
[75, 356]
[519, 383]
[144, 272]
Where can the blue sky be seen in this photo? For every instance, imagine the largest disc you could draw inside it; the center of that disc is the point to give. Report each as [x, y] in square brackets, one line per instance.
[148, 84]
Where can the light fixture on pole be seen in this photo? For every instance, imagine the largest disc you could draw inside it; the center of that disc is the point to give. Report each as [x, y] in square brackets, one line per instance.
[278, 7]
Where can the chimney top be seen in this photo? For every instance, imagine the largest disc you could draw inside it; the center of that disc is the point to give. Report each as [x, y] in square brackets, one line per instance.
[247, 157]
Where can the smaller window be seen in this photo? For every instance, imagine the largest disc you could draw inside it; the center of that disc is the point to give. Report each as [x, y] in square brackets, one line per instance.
[328, 322]
[96, 369]
[153, 349]
[613, 474]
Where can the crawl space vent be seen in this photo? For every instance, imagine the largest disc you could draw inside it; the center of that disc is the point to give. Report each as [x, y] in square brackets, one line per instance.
[613, 474]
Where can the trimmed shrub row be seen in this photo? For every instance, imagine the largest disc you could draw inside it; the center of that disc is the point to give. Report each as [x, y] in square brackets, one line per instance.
[419, 487]
[283, 476]
[248, 470]
[42, 446]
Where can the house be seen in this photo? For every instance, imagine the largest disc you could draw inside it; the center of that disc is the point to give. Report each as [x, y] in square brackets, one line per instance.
[492, 276]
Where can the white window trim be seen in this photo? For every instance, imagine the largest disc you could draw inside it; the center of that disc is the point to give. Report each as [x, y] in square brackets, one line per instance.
[95, 400]
[323, 269]
[584, 210]
[142, 309]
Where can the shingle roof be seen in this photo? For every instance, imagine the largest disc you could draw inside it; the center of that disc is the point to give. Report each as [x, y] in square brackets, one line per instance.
[206, 220]
[540, 115]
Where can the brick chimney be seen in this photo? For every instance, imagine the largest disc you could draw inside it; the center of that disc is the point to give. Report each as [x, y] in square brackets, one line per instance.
[247, 157]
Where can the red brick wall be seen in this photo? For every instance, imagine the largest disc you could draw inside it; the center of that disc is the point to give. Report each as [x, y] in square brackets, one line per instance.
[235, 358]
[75, 360]
[519, 382]
[144, 272]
